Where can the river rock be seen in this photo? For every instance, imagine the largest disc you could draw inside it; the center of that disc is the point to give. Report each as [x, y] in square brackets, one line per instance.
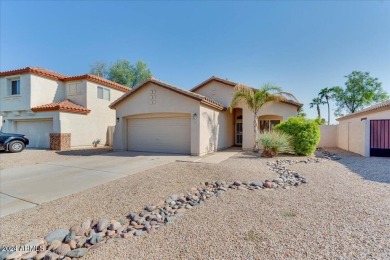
[63, 249]
[51, 256]
[54, 244]
[58, 234]
[77, 253]
[102, 224]
[95, 239]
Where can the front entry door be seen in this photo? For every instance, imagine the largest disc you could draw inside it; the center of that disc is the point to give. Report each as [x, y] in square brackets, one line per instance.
[238, 134]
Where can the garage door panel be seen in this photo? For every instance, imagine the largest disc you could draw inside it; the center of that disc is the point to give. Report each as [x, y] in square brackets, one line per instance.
[38, 132]
[170, 135]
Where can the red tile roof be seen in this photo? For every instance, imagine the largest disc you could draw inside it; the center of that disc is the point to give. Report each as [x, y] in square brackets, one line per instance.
[374, 108]
[61, 77]
[202, 99]
[35, 70]
[64, 106]
[99, 80]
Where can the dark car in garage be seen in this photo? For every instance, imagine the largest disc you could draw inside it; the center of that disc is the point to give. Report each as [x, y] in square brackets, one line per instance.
[13, 143]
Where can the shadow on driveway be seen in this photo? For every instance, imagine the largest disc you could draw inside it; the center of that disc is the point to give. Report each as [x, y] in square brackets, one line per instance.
[369, 168]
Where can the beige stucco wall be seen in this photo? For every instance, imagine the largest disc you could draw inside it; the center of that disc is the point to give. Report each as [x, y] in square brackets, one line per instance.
[217, 91]
[354, 133]
[224, 93]
[167, 101]
[272, 110]
[329, 136]
[216, 129]
[45, 91]
[80, 98]
[351, 135]
[85, 129]
[16, 102]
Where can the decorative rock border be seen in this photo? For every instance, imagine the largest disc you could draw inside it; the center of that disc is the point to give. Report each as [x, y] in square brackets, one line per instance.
[91, 234]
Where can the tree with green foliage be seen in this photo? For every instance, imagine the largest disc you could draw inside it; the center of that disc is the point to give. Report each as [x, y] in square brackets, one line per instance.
[360, 90]
[305, 134]
[123, 72]
[254, 99]
[99, 68]
[325, 95]
[317, 102]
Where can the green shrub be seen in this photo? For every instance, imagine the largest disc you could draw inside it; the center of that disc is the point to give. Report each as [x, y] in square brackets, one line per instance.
[305, 133]
[276, 142]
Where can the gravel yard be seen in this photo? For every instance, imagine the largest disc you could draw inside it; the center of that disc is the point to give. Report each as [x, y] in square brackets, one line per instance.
[33, 156]
[337, 214]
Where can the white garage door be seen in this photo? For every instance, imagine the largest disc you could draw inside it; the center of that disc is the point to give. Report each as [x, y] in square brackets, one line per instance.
[37, 131]
[166, 135]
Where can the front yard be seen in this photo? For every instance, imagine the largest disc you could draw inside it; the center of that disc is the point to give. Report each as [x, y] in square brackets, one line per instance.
[336, 214]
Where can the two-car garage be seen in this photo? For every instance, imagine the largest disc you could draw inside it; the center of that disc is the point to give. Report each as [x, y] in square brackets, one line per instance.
[158, 117]
[169, 133]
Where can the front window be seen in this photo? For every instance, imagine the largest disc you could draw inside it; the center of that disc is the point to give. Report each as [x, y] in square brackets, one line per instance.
[14, 88]
[268, 125]
[103, 93]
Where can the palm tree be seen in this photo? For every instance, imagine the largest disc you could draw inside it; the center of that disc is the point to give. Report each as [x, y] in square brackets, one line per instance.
[317, 102]
[254, 99]
[326, 93]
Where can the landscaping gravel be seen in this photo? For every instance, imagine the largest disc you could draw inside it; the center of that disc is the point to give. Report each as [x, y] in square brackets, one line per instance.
[335, 214]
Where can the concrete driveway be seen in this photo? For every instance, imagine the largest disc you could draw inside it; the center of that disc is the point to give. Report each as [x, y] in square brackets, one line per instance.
[27, 186]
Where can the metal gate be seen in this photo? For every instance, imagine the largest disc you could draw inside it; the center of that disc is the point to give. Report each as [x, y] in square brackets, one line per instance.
[380, 138]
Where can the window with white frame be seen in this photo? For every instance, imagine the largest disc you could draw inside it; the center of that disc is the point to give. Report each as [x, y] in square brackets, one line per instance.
[14, 87]
[103, 93]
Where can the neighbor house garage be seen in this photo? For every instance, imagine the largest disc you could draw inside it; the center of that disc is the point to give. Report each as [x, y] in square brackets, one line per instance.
[38, 129]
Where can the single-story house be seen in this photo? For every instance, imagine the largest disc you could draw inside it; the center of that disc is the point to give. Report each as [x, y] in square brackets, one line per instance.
[366, 132]
[159, 117]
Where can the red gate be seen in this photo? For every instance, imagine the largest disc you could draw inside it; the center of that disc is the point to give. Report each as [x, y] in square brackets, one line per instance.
[380, 138]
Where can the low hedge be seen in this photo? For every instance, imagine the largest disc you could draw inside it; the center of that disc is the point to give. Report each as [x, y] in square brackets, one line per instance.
[305, 133]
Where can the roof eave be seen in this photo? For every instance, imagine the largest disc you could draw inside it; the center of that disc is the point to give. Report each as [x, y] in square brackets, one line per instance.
[59, 109]
[361, 113]
[227, 82]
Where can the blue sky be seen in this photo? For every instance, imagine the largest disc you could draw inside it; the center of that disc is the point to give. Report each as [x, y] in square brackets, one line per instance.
[300, 46]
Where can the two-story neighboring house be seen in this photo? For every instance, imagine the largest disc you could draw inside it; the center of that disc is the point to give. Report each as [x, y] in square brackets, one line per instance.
[57, 111]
